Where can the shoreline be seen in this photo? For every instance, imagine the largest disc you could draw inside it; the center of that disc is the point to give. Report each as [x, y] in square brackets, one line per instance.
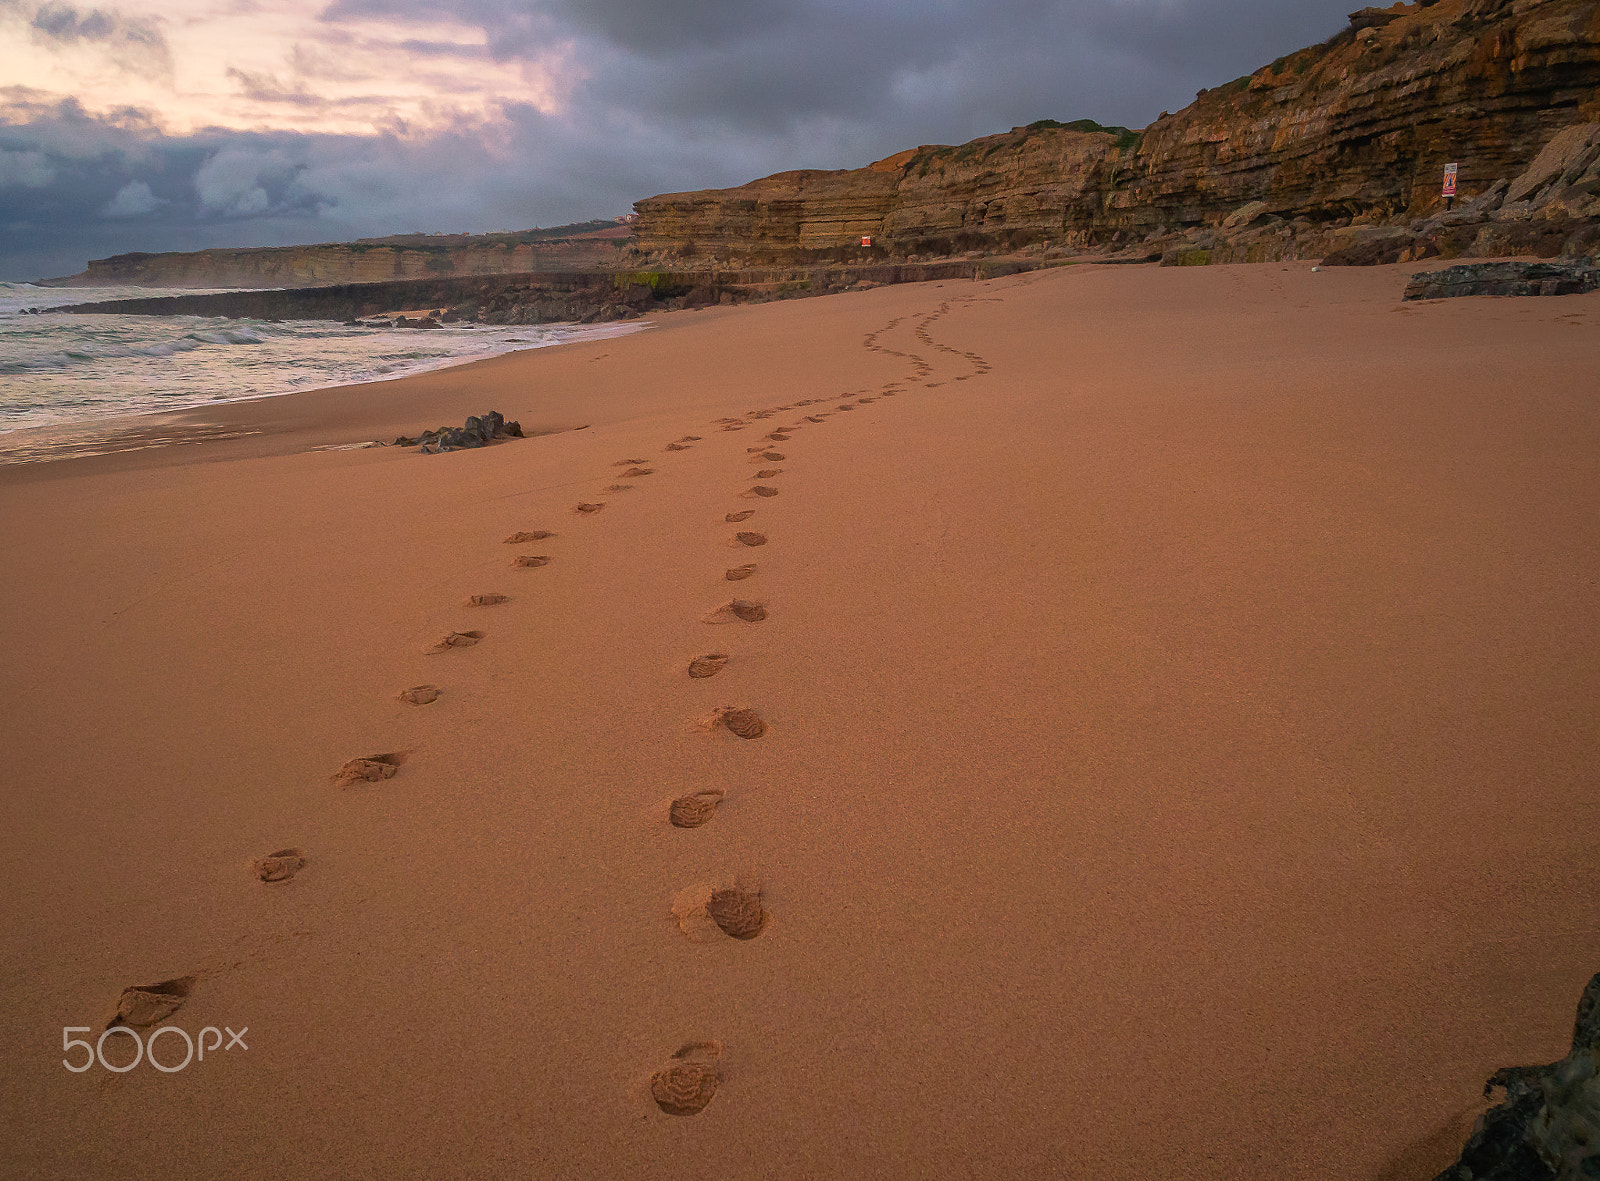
[111, 436]
[145, 440]
[251, 428]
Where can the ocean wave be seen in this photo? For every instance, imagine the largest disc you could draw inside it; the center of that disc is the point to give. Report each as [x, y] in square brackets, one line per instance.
[64, 369]
[95, 352]
[230, 336]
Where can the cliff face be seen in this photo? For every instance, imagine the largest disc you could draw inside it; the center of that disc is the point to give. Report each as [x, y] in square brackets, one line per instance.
[787, 214]
[358, 262]
[1359, 127]
[1365, 124]
[1042, 180]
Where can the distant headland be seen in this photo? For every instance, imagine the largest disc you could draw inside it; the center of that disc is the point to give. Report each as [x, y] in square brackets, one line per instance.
[583, 246]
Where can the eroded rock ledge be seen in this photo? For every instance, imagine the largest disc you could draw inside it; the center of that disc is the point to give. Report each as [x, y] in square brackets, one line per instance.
[1548, 1127]
[1505, 278]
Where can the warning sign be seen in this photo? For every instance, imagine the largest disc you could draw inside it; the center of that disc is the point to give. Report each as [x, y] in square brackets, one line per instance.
[865, 240]
[1449, 180]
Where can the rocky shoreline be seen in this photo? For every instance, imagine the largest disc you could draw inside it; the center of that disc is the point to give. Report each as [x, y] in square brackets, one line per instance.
[590, 297]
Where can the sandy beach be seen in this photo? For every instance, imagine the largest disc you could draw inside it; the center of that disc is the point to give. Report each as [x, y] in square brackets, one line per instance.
[1179, 756]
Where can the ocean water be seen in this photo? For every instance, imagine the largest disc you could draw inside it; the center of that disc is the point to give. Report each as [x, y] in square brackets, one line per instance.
[62, 374]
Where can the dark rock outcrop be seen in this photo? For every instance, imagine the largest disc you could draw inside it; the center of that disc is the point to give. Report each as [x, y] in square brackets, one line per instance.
[1548, 1127]
[1505, 278]
[477, 431]
[573, 297]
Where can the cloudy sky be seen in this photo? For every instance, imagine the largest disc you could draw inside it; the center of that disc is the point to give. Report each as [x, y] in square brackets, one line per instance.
[179, 124]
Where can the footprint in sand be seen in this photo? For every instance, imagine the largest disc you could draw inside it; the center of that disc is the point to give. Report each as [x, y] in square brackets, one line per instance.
[733, 908]
[638, 471]
[746, 723]
[676, 447]
[529, 535]
[491, 599]
[778, 437]
[687, 1084]
[627, 462]
[865, 401]
[143, 1005]
[846, 406]
[279, 866]
[760, 490]
[530, 561]
[618, 487]
[420, 695]
[690, 439]
[750, 539]
[769, 473]
[694, 809]
[738, 911]
[732, 427]
[814, 418]
[372, 769]
[455, 640]
[735, 518]
[769, 456]
[707, 666]
[739, 573]
[588, 508]
[744, 610]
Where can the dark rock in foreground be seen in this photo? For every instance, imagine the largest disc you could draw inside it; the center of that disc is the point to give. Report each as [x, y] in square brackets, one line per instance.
[478, 431]
[1548, 1128]
[1506, 278]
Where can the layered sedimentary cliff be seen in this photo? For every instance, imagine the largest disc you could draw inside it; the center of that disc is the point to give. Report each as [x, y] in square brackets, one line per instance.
[1355, 130]
[412, 256]
[1033, 183]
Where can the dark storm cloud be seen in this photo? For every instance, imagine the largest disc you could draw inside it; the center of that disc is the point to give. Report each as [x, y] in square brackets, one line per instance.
[940, 69]
[518, 26]
[664, 96]
[75, 187]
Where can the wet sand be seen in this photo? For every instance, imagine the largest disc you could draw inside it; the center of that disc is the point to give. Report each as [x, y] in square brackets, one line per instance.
[1173, 756]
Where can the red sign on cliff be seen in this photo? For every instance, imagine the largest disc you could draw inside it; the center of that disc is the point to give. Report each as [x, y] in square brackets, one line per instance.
[865, 241]
[1449, 180]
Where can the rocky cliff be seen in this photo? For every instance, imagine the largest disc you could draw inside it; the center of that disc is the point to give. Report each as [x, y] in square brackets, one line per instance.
[1347, 135]
[411, 256]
